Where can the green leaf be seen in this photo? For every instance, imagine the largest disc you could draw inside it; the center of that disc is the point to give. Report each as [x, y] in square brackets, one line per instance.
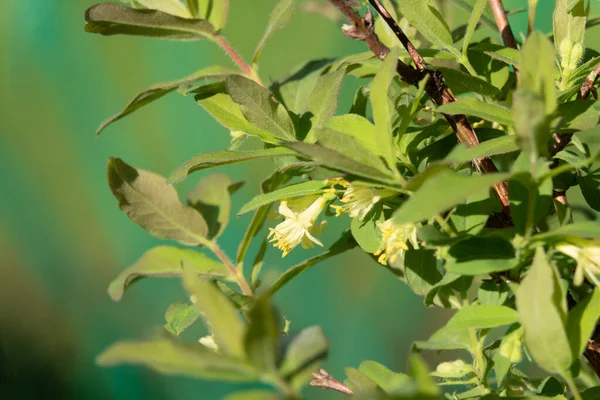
[179, 317]
[304, 352]
[569, 22]
[288, 192]
[279, 17]
[165, 262]
[214, 99]
[171, 358]
[429, 22]
[158, 90]
[483, 317]
[219, 11]
[589, 183]
[478, 9]
[366, 233]
[153, 204]
[492, 147]
[173, 7]
[420, 270]
[576, 115]
[530, 201]
[115, 19]
[479, 255]
[258, 106]
[538, 71]
[211, 197]
[343, 244]
[471, 215]
[507, 55]
[217, 158]
[323, 100]
[218, 313]
[426, 201]
[262, 335]
[461, 82]
[382, 107]
[362, 385]
[446, 338]
[352, 148]
[341, 162]
[477, 108]
[492, 293]
[581, 322]
[541, 318]
[254, 395]
[358, 127]
[391, 382]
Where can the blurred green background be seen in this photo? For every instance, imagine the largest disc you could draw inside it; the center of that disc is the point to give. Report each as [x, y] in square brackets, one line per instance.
[62, 237]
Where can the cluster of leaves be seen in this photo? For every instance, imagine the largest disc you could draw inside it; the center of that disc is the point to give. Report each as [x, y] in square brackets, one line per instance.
[521, 276]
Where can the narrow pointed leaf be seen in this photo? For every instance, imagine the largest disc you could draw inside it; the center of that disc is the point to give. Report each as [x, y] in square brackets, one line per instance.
[482, 317]
[478, 9]
[477, 108]
[153, 204]
[262, 335]
[288, 192]
[158, 90]
[324, 99]
[217, 311]
[279, 17]
[173, 7]
[581, 322]
[492, 147]
[171, 358]
[223, 157]
[165, 262]
[115, 19]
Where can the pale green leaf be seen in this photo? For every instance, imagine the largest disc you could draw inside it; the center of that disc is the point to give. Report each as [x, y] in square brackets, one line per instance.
[426, 201]
[581, 322]
[217, 312]
[541, 319]
[569, 22]
[358, 127]
[477, 108]
[288, 192]
[382, 107]
[323, 100]
[165, 262]
[223, 157]
[492, 147]
[149, 201]
[478, 9]
[115, 19]
[279, 17]
[173, 7]
[172, 358]
[483, 317]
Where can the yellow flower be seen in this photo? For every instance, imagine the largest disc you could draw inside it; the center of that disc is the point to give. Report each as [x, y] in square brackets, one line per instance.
[359, 199]
[588, 260]
[393, 240]
[297, 228]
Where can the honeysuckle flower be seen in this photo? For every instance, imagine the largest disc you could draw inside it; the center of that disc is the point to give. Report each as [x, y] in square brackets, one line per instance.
[360, 198]
[393, 240]
[298, 227]
[587, 256]
[209, 341]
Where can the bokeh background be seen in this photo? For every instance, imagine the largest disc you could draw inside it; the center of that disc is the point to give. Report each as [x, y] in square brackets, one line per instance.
[62, 237]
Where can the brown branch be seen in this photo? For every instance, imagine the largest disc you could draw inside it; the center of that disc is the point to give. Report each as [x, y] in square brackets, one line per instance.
[588, 85]
[440, 94]
[323, 380]
[508, 38]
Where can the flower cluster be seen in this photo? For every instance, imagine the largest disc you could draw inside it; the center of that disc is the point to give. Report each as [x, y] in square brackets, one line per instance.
[587, 255]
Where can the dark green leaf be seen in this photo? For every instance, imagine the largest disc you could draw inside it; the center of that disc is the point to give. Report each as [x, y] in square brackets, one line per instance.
[165, 262]
[179, 317]
[219, 314]
[473, 106]
[303, 355]
[288, 192]
[589, 183]
[471, 215]
[158, 90]
[223, 157]
[262, 336]
[577, 115]
[211, 197]
[420, 270]
[426, 201]
[530, 201]
[115, 19]
[587, 229]
[154, 205]
[461, 82]
[343, 244]
[279, 17]
[258, 106]
[581, 322]
[481, 255]
[171, 358]
[541, 318]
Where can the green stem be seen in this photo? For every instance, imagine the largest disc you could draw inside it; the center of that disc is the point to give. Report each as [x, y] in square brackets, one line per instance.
[233, 270]
[573, 388]
[237, 58]
[444, 225]
[566, 168]
[467, 64]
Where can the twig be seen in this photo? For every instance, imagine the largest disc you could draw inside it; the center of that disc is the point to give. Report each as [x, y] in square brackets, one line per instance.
[233, 270]
[235, 56]
[323, 380]
[588, 85]
[441, 94]
[503, 25]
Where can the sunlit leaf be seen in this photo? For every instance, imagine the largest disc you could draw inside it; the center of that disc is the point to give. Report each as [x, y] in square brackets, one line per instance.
[288, 192]
[481, 317]
[279, 17]
[477, 108]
